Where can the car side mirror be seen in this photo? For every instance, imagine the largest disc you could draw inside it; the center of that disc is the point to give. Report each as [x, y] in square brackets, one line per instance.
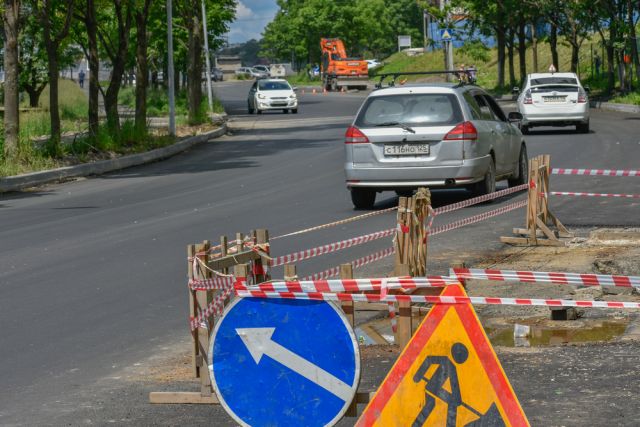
[515, 116]
[587, 89]
[515, 90]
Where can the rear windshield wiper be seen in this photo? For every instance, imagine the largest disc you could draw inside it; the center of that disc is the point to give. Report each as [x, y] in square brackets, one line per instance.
[400, 125]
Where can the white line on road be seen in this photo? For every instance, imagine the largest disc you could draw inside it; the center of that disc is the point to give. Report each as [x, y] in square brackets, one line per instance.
[259, 342]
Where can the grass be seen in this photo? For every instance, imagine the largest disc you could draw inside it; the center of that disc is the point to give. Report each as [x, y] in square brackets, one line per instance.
[158, 103]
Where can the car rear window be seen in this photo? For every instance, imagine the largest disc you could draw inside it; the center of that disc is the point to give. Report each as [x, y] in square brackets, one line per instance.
[273, 85]
[412, 109]
[553, 80]
[554, 88]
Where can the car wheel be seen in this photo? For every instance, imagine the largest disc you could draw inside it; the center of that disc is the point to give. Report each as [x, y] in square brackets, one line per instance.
[488, 184]
[259, 111]
[583, 127]
[524, 129]
[522, 169]
[250, 109]
[294, 110]
[285, 111]
[363, 198]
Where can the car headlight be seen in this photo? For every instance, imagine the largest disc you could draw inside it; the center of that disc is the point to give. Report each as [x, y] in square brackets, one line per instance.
[261, 96]
[292, 96]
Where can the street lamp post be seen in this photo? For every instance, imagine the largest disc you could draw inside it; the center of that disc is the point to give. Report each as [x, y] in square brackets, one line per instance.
[208, 61]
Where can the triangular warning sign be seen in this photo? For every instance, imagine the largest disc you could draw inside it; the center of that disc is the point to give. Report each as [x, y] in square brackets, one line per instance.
[448, 375]
[446, 35]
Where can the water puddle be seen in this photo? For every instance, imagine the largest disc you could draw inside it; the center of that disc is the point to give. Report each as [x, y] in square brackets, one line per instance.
[540, 336]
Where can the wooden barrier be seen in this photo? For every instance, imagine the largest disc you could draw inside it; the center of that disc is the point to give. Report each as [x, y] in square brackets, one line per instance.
[539, 221]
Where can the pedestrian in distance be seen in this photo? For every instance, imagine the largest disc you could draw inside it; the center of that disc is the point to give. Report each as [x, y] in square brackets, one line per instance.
[597, 63]
[81, 78]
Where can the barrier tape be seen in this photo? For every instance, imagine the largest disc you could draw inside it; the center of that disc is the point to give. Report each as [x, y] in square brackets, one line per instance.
[465, 203]
[545, 277]
[332, 247]
[215, 308]
[214, 283]
[568, 193]
[319, 296]
[360, 262]
[595, 172]
[478, 218]
[352, 285]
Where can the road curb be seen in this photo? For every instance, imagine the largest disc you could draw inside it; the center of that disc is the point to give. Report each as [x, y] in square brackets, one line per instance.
[621, 108]
[19, 182]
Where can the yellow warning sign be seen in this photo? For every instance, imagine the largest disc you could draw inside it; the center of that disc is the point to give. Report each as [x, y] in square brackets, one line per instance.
[448, 375]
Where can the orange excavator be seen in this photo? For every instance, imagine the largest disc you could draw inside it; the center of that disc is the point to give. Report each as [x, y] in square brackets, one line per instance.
[338, 70]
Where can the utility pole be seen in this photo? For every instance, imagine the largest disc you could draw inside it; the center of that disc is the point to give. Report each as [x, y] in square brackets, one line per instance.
[424, 30]
[172, 101]
[448, 45]
[208, 61]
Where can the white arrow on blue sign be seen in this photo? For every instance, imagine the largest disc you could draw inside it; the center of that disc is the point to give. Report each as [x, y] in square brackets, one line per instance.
[284, 362]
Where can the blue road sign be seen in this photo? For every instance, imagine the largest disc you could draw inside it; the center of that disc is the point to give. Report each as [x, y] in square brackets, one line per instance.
[284, 362]
[446, 34]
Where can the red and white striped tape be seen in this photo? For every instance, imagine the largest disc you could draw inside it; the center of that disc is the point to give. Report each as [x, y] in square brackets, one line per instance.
[595, 172]
[211, 284]
[546, 277]
[332, 247]
[571, 193]
[215, 308]
[436, 299]
[353, 285]
[360, 262]
[477, 218]
[465, 203]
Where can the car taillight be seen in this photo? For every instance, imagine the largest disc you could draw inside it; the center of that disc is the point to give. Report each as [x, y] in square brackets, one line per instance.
[582, 96]
[465, 130]
[355, 136]
[527, 97]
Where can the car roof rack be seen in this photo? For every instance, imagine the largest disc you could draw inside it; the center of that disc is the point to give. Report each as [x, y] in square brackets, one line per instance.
[464, 76]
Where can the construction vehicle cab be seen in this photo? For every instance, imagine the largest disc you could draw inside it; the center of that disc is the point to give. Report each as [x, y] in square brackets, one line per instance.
[338, 71]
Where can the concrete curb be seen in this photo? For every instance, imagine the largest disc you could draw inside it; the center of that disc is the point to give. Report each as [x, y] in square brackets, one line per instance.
[19, 182]
[621, 108]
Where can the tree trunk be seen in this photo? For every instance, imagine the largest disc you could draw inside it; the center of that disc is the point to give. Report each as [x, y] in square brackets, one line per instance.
[522, 51]
[611, 78]
[632, 37]
[34, 91]
[142, 69]
[575, 50]
[500, 35]
[553, 44]
[534, 47]
[91, 24]
[54, 112]
[11, 107]
[510, 49]
[194, 65]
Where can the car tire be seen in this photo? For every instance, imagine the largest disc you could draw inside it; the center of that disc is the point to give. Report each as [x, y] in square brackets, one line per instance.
[285, 111]
[523, 168]
[582, 127]
[524, 129]
[259, 111]
[294, 110]
[251, 110]
[363, 198]
[488, 183]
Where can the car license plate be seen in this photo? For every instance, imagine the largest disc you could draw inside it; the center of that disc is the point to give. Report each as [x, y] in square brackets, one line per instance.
[554, 98]
[406, 149]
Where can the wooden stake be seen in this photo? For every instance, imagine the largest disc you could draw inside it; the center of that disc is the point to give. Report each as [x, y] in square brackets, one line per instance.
[203, 333]
[346, 272]
[290, 273]
[191, 253]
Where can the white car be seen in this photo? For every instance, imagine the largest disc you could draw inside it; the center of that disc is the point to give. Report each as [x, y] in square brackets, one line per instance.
[373, 63]
[553, 99]
[272, 94]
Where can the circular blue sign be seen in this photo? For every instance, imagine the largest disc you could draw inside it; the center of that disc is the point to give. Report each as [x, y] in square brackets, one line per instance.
[284, 362]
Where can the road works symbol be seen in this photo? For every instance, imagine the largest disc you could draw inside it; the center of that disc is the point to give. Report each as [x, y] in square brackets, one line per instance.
[448, 375]
[284, 362]
[446, 34]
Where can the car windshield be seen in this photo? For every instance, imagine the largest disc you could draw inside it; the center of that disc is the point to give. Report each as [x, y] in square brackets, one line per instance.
[553, 80]
[274, 86]
[410, 110]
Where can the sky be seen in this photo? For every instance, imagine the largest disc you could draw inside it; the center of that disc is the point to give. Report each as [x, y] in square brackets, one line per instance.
[251, 18]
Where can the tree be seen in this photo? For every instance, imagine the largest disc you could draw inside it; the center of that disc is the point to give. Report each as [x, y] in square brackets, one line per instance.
[11, 112]
[55, 20]
[86, 36]
[34, 74]
[142, 69]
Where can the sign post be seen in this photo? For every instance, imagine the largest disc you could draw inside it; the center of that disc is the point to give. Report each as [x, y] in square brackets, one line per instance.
[284, 362]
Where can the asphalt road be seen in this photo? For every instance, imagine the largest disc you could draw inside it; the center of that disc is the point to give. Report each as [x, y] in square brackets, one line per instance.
[92, 272]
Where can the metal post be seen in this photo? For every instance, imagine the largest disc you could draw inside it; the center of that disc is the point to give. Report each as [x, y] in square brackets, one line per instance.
[208, 62]
[424, 31]
[172, 101]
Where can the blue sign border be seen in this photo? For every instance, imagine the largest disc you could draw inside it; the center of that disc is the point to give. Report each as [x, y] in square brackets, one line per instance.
[338, 311]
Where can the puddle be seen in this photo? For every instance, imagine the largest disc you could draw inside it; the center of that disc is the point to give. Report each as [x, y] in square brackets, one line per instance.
[546, 336]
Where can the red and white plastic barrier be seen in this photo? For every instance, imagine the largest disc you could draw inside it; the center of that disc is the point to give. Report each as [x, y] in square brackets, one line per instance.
[360, 262]
[332, 247]
[579, 194]
[221, 282]
[595, 172]
[477, 218]
[436, 299]
[546, 277]
[215, 308]
[465, 203]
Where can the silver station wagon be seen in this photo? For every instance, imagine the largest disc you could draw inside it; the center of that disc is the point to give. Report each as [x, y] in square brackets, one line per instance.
[435, 135]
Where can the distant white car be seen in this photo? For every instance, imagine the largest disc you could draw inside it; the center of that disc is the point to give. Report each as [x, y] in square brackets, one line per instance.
[373, 63]
[272, 94]
[263, 68]
[553, 99]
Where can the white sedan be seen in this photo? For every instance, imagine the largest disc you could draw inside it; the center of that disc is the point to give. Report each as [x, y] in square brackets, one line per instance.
[272, 94]
[554, 99]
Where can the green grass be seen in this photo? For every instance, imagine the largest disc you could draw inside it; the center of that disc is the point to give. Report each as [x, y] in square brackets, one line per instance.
[630, 98]
[158, 103]
[303, 79]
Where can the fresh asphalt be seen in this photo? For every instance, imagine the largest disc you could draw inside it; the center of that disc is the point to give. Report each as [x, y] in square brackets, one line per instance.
[93, 272]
